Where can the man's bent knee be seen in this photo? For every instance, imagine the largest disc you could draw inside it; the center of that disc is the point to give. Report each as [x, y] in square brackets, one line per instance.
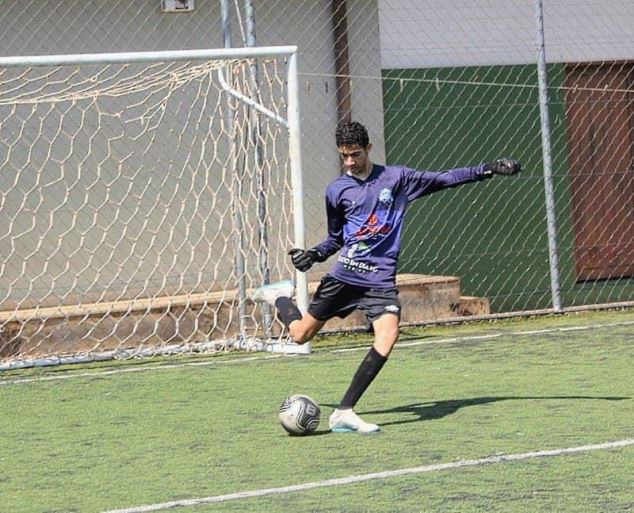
[300, 334]
[303, 331]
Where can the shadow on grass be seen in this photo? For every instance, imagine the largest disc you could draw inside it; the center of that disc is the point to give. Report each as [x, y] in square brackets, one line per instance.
[419, 412]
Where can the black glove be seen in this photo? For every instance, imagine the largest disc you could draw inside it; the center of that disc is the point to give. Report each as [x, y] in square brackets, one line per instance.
[304, 259]
[506, 167]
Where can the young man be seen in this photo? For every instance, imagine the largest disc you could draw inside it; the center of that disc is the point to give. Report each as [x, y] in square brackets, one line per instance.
[365, 208]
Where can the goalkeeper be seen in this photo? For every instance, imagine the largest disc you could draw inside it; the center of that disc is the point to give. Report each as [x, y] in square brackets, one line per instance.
[365, 209]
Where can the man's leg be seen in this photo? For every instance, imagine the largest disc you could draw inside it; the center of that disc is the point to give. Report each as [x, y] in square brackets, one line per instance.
[385, 333]
[301, 328]
[343, 418]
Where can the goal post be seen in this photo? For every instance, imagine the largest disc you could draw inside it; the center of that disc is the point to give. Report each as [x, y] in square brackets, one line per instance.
[135, 218]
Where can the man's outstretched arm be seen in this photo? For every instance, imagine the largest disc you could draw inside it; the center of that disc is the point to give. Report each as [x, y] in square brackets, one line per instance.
[420, 183]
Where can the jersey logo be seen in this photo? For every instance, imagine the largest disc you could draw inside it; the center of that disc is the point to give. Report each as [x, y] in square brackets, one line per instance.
[358, 249]
[373, 228]
[385, 196]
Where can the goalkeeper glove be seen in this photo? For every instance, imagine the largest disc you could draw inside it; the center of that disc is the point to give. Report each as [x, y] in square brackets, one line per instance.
[304, 259]
[506, 167]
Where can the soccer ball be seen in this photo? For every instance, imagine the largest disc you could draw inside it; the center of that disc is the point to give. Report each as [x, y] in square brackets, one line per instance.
[299, 415]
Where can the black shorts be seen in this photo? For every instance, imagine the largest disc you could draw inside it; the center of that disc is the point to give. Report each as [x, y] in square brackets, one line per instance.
[334, 298]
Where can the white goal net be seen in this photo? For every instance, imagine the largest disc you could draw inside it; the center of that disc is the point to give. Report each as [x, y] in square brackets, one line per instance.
[142, 196]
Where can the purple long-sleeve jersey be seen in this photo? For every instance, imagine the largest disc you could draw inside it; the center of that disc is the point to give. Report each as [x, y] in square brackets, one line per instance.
[365, 218]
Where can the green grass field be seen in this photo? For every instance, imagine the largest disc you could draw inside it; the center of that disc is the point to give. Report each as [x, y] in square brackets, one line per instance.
[201, 434]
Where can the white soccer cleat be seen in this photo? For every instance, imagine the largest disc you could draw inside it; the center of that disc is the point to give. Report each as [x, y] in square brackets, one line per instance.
[269, 293]
[347, 421]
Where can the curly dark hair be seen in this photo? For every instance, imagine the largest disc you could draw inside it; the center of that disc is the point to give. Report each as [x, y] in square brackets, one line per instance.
[350, 133]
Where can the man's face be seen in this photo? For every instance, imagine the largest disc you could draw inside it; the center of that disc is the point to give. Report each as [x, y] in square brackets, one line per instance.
[354, 158]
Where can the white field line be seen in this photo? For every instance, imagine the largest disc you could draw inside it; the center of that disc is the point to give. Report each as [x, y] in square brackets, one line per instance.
[492, 336]
[360, 478]
[128, 370]
[414, 343]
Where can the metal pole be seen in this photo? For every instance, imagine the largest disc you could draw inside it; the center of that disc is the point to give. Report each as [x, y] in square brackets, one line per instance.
[294, 138]
[261, 184]
[236, 189]
[158, 56]
[547, 160]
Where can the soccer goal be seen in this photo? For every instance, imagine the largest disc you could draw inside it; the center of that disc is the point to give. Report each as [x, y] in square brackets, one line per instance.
[142, 196]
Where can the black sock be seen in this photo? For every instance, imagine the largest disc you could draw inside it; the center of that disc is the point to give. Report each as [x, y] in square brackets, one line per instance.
[367, 371]
[287, 310]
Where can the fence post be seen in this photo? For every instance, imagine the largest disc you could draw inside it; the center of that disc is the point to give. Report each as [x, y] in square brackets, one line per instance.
[551, 217]
[236, 190]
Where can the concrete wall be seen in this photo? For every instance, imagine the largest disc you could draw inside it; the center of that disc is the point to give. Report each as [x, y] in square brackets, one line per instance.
[49, 27]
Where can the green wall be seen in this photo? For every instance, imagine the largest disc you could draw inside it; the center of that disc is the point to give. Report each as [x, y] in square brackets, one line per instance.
[493, 235]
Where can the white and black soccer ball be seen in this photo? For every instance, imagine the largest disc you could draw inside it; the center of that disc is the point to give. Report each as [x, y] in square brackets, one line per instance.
[299, 415]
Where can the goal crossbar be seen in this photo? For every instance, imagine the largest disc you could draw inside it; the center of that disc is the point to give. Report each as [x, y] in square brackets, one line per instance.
[129, 57]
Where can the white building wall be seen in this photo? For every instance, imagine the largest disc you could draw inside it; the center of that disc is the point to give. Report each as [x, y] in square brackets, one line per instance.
[447, 33]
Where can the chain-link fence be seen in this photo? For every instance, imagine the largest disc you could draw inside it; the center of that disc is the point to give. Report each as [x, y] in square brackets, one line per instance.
[438, 84]
[562, 234]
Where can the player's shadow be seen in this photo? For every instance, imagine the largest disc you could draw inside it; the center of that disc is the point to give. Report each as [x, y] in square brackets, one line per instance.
[419, 412]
